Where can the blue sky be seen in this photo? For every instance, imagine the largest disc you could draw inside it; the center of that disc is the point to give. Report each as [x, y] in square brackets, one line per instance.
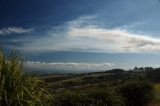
[82, 34]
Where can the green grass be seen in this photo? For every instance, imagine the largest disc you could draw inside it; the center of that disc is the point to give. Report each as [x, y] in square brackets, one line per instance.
[18, 89]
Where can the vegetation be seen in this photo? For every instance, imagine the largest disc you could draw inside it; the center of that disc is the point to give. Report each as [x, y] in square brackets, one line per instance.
[89, 97]
[137, 93]
[109, 88]
[18, 89]
[128, 88]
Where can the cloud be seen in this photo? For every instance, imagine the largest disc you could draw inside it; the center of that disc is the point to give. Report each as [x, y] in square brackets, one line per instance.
[14, 30]
[84, 35]
[68, 66]
[116, 40]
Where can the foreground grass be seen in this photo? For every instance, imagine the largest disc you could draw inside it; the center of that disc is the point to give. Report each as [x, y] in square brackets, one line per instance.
[17, 89]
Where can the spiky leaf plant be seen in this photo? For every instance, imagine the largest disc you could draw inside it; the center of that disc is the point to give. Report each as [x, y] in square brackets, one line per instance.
[18, 89]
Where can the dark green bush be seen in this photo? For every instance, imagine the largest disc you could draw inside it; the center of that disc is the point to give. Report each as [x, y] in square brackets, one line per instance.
[136, 93]
[102, 97]
[89, 97]
[68, 98]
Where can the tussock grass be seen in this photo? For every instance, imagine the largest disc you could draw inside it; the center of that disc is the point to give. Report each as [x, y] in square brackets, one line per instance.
[18, 89]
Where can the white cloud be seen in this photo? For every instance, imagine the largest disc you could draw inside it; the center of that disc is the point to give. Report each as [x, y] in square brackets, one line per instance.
[82, 35]
[116, 40]
[14, 30]
[154, 66]
[68, 66]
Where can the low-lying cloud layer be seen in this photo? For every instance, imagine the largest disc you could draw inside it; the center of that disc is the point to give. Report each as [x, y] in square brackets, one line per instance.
[14, 30]
[68, 66]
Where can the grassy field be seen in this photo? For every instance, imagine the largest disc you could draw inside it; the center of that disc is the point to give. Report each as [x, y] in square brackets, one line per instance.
[61, 83]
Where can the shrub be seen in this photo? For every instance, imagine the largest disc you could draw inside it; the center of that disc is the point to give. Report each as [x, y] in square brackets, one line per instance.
[68, 98]
[89, 97]
[103, 97]
[17, 89]
[136, 93]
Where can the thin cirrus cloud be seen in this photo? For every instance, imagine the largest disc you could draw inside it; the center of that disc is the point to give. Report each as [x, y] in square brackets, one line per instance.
[82, 35]
[14, 30]
[68, 65]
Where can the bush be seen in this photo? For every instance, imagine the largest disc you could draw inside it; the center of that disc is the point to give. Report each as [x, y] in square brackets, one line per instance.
[68, 98]
[136, 93]
[89, 97]
[102, 97]
[17, 89]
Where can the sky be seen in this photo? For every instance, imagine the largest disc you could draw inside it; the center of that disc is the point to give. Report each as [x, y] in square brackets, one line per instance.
[82, 35]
